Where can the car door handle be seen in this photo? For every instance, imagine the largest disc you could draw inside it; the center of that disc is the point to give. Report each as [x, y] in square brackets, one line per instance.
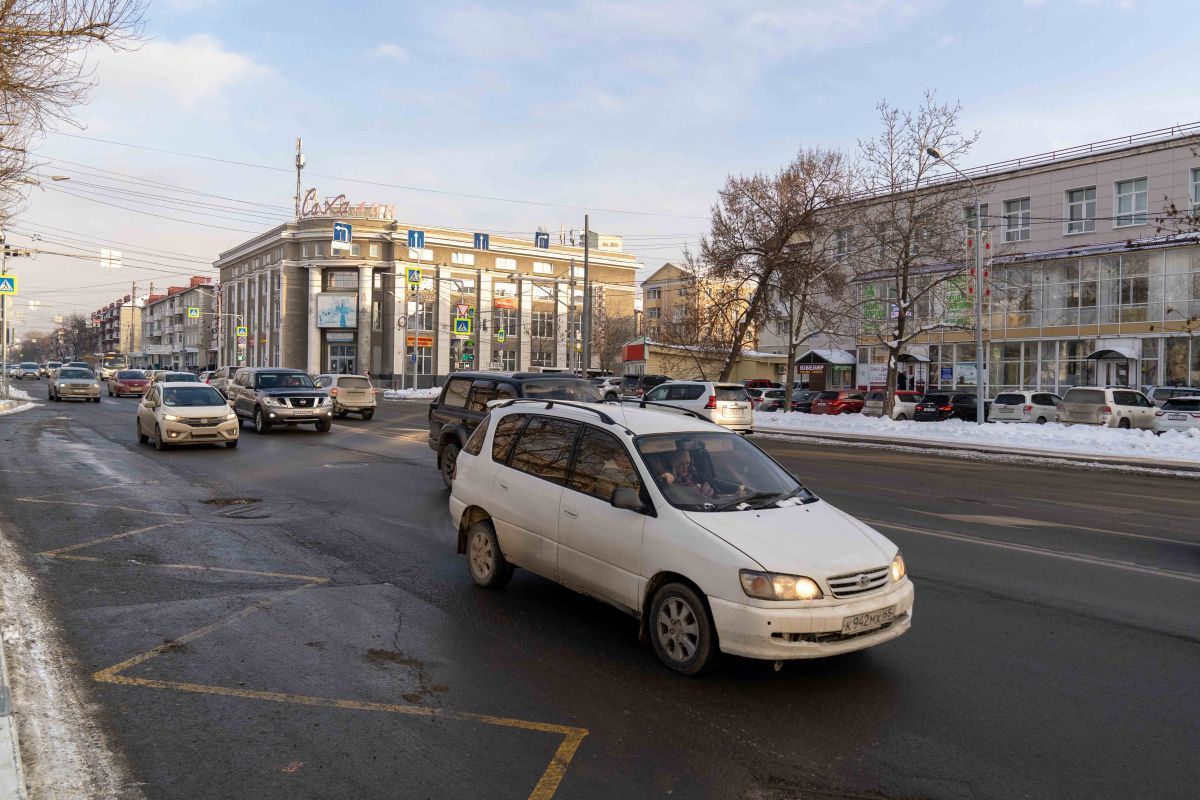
[503, 486]
[571, 514]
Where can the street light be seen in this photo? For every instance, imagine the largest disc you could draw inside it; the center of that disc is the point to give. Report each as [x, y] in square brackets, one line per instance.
[933, 153]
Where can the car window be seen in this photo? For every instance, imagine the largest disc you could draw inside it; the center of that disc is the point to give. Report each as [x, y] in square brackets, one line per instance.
[603, 466]
[562, 389]
[658, 394]
[1182, 404]
[544, 448]
[481, 394]
[506, 431]
[505, 392]
[475, 444]
[1090, 396]
[456, 393]
[827, 396]
[731, 393]
[152, 395]
[74, 374]
[935, 399]
[353, 382]
[873, 396]
[1143, 401]
[186, 396]
[1010, 399]
[1125, 398]
[130, 375]
[685, 391]
[853, 396]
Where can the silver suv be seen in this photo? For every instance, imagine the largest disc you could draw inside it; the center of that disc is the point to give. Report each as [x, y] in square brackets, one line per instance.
[269, 396]
[1106, 406]
[221, 378]
[350, 394]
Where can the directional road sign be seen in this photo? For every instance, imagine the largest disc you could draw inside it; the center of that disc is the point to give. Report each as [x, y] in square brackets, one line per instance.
[8, 284]
[482, 241]
[462, 326]
[541, 239]
[416, 239]
[342, 233]
[193, 312]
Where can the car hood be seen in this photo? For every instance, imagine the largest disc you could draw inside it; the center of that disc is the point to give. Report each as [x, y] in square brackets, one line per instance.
[197, 412]
[815, 539]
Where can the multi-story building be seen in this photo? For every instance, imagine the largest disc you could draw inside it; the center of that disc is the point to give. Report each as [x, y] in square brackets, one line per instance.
[477, 299]
[1082, 287]
[119, 326]
[178, 328]
[679, 307]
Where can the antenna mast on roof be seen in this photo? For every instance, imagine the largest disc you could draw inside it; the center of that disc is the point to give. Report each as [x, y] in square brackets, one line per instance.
[299, 166]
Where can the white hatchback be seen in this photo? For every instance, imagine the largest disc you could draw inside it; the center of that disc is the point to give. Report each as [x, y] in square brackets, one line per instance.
[1178, 414]
[690, 528]
[726, 404]
[1037, 407]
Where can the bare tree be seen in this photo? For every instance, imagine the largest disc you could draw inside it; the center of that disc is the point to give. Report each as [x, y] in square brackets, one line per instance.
[610, 332]
[1173, 220]
[43, 74]
[79, 337]
[908, 229]
[754, 225]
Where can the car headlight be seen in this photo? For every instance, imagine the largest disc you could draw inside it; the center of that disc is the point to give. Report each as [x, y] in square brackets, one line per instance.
[898, 571]
[230, 416]
[62, 386]
[171, 417]
[272, 401]
[772, 586]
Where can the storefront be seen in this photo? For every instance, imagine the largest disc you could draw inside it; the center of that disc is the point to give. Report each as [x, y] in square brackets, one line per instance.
[825, 369]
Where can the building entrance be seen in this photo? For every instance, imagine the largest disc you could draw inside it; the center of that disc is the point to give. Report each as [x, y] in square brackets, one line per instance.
[341, 359]
[1114, 373]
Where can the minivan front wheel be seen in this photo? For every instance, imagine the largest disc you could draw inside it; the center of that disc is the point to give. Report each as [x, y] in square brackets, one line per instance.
[485, 562]
[1123, 424]
[681, 630]
[447, 458]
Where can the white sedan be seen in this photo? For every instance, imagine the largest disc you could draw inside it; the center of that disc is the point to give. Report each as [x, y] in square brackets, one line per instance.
[1037, 407]
[712, 545]
[1178, 414]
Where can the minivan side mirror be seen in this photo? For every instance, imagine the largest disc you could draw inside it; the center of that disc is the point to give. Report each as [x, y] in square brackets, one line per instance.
[627, 498]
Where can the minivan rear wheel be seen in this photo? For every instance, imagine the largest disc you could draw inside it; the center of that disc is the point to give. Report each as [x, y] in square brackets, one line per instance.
[681, 630]
[1123, 424]
[485, 562]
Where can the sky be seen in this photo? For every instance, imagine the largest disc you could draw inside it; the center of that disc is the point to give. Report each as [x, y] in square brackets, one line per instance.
[506, 117]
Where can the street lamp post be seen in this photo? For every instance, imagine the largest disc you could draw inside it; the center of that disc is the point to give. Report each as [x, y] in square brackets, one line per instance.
[980, 386]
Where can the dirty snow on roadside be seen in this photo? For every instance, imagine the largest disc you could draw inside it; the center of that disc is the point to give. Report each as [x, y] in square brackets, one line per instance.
[411, 394]
[1051, 437]
[18, 394]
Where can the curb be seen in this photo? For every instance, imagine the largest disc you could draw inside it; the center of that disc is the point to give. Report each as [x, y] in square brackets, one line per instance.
[948, 449]
[12, 779]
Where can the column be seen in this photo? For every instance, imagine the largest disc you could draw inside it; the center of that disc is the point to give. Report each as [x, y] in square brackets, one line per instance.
[443, 323]
[399, 312]
[562, 309]
[483, 312]
[525, 290]
[314, 333]
[366, 294]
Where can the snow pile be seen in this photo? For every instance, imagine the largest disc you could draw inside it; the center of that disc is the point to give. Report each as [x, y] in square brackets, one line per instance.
[20, 401]
[1051, 438]
[411, 394]
[17, 394]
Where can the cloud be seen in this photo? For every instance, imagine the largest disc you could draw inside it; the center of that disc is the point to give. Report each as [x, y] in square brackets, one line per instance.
[389, 50]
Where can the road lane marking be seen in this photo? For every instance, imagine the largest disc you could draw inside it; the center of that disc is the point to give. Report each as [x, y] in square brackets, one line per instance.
[1020, 522]
[112, 538]
[102, 505]
[93, 489]
[1024, 548]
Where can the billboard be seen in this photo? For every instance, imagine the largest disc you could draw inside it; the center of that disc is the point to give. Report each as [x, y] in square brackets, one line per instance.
[337, 311]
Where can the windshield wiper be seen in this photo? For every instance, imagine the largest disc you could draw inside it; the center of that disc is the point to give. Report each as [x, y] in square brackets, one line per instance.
[750, 498]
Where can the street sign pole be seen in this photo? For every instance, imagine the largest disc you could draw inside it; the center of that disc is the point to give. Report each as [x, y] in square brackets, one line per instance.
[587, 303]
[4, 318]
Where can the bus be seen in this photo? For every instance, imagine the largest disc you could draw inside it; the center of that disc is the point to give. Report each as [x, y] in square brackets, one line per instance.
[111, 362]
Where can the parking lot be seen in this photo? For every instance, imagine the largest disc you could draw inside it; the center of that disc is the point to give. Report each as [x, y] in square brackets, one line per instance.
[289, 619]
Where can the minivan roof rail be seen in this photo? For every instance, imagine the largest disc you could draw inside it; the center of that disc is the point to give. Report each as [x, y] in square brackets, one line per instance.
[605, 418]
[644, 403]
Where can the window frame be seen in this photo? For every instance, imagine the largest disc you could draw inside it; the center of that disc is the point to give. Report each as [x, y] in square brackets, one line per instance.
[1087, 222]
[579, 426]
[1134, 214]
[1023, 215]
[633, 462]
[1194, 185]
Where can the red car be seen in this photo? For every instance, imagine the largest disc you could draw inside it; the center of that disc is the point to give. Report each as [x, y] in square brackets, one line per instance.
[128, 381]
[839, 402]
[760, 383]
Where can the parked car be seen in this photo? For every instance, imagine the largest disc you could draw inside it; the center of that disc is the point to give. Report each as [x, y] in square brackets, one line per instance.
[270, 396]
[167, 376]
[1107, 406]
[840, 401]
[128, 381]
[609, 386]
[802, 400]
[28, 369]
[761, 383]
[933, 407]
[220, 378]
[350, 394]
[1178, 414]
[74, 383]
[903, 404]
[638, 385]
[769, 399]
[464, 399]
[965, 407]
[49, 367]
[1024, 406]
[204, 375]
[185, 413]
[691, 529]
[1161, 394]
[725, 404]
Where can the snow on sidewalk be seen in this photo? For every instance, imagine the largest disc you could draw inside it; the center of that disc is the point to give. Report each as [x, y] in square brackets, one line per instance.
[1086, 440]
[21, 399]
[411, 394]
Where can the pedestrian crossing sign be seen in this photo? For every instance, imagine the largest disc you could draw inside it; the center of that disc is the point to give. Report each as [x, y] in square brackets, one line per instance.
[8, 284]
[462, 326]
[242, 331]
[193, 312]
[414, 276]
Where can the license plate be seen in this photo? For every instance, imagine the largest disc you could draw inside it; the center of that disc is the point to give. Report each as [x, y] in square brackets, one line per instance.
[868, 620]
[1179, 417]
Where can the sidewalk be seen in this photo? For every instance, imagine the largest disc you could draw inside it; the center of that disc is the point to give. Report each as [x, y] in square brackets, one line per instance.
[12, 779]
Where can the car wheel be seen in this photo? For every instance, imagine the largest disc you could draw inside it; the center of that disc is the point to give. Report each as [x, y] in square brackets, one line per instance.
[261, 424]
[1123, 424]
[142, 438]
[97, 400]
[1041, 420]
[231, 444]
[901, 417]
[368, 413]
[324, 425]
[159, 444]
[339, 414]
[485, 562]
[681, 631]
[110, 394]
[447, 458]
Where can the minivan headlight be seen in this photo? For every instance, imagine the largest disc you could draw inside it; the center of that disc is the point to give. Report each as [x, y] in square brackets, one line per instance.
[230, 416]
[171, 417]
[897, 570]
[772, 586]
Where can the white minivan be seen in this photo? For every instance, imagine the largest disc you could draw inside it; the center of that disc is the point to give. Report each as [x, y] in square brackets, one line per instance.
[687, 526]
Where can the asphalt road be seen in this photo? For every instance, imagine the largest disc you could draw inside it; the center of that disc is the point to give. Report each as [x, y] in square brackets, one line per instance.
[290, 620]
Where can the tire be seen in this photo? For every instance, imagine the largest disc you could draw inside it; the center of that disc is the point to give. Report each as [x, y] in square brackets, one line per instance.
[232, 444]
[681, 630]
[1123, 424]
[142, 438]
[262, 425]
[324, 426]
[485, 562]
[901, 417]
[367, 414]
[110, 394]
[1041, 420]
[159, 444]
[447, 458]
[97, 400]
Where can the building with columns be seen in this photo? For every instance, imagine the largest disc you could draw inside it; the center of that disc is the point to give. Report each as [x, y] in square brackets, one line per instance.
[481, 300]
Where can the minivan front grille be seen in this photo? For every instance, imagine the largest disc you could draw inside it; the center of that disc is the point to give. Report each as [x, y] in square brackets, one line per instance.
[858, 583]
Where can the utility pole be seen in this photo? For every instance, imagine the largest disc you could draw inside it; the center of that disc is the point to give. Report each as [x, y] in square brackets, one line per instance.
[587, 300]
[572, 356]
[3, 318]
[299, 166]
[129, 341]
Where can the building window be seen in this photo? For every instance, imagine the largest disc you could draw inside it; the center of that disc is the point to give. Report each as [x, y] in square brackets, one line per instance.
[541, 358]
[506, 263]
[376, 315]
[466, 259]
[841, 243]
[969, 216]
[541, 325]
[506, 320]
[424, 360]
[1195, 194]
[506, 358]
[542, 268]
[341, 279]
[424, 315]
[355, 249]
[305, 251]
[375, 250]
[318, 250]
[654, 294]
[1017, 220]
[1081, 210]
[652, 313]
[1131, 203]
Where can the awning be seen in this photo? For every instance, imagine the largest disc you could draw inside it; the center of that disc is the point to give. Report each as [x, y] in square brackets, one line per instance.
[1113, 353]
[826, 357]
[913, 356]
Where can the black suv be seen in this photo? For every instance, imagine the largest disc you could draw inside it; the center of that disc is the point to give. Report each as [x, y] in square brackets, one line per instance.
[269, 396]
[464, 398]
[638, 385]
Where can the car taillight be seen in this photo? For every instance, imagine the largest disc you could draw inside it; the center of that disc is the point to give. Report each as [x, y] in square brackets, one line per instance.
[712, 401]
[946, 408]
[333, 392]
[1160, 413]
[1106, 410]
[1028, 409]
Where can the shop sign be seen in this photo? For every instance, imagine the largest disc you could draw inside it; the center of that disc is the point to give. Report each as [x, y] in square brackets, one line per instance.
[419, 341]
[339, 206]
[505, 303]
[810, 368]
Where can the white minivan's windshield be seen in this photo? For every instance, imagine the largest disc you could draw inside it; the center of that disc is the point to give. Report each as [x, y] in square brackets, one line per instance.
[701, 471]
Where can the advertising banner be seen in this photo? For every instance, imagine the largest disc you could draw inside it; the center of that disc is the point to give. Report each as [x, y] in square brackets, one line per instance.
[337, 311]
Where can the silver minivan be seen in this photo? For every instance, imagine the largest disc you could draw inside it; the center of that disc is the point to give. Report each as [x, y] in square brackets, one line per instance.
[726, 404]
[1107, 406]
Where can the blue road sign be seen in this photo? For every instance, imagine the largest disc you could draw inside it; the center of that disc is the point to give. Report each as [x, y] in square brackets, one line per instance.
[414, 276]
[947, 374]
[8, 284]
[501, 335]
[462, 326]
[416, 238]
[342, 232]
[542, 240]
[482, 240]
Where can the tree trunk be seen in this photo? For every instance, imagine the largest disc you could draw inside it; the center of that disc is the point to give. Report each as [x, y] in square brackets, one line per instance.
[790, 375]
